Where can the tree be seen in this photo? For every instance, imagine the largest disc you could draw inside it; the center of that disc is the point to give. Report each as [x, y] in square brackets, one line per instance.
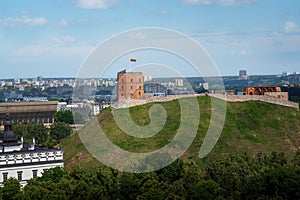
[65, 116]
[53, 174]
[206, 190]
[78, 118]
[60, 130]
[11, 189]
[31, 130]
[37, 131]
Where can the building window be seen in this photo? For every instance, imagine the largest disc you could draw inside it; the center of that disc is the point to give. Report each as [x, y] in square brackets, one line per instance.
[5, 175]
[131, 87]
[34, 173]
[45, 170]
[139, 80]
[131, 80]
[20, 175]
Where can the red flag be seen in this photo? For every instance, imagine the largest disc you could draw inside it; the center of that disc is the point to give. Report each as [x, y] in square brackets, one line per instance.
[132, 60]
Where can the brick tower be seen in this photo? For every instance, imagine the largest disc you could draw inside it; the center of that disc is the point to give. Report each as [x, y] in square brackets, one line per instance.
[130, 85]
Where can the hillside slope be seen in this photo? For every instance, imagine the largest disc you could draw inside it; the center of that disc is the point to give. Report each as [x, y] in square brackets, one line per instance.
[250, 127]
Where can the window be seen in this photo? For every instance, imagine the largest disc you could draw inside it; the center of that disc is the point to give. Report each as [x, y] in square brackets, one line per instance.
[5, 174]
[20, 175]
[45, 170]
[34, 173]
[131, 87]
[131, 80]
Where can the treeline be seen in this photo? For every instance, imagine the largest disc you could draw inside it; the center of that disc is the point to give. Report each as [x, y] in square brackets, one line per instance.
[270, 176]
[48, 136]
[43, 136]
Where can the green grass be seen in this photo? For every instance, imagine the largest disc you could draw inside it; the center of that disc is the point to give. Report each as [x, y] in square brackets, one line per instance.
[250, 127]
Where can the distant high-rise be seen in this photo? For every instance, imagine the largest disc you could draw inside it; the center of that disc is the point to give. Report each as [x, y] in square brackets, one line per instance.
[179, 82]
[40, 78]
[130, 85]
[243, 74]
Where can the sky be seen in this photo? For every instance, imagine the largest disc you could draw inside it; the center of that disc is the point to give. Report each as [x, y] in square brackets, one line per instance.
[54, 38]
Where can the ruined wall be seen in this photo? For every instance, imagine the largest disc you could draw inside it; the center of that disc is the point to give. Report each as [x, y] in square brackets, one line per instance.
[278, 95]
[260, 90]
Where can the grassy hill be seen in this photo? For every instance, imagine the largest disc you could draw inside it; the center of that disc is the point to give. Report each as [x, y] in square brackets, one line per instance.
[250, 127]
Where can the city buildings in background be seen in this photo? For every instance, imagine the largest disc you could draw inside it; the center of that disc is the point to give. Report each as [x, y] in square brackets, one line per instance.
[90, 96]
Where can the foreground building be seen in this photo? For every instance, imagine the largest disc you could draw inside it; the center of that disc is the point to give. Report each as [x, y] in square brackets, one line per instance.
[24, 161]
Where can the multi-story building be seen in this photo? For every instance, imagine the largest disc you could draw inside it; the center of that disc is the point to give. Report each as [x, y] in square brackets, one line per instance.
[130, 85]
[40, 112]
[25, 161]
[243, 75]
[179, 82]
[155, 88]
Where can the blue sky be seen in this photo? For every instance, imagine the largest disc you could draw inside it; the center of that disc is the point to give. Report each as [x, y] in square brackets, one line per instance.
[52, 38]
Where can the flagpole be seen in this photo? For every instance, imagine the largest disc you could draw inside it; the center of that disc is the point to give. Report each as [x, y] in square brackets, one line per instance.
[130, 61]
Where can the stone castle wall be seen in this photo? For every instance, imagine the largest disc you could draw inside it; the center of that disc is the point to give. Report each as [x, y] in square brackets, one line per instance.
[229, 98]
[268, 99]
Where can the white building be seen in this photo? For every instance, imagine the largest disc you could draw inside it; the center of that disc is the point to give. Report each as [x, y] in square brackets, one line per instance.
[179, 82]
[95, 110]
[25, 161]
[204, 85]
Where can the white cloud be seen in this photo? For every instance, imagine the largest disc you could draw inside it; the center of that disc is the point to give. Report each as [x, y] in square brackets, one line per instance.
[63, 22]
[251, 43]
[24, 20]
[291, 27]
[95, 4]
[244, 52]
[65, 39]
[163, 12]
[137, 36]
[219, 2]
[37, 50]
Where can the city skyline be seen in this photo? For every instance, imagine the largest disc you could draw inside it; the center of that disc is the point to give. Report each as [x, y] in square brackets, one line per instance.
[53, 38]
